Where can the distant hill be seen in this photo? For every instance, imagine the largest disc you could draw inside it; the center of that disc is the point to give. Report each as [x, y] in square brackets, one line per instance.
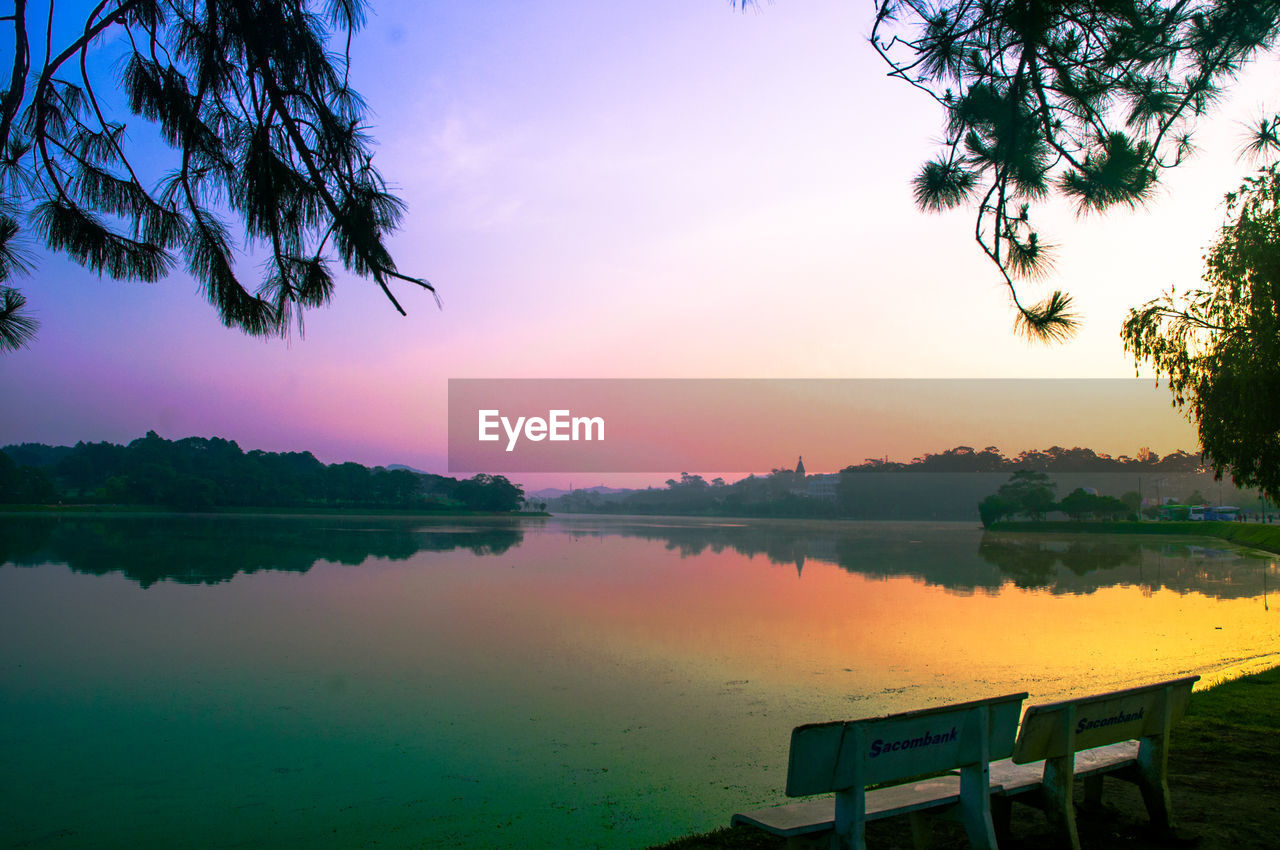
[394, 466]
[556, 492]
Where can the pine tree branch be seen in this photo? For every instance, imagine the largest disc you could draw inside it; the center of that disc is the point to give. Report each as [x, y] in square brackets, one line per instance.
[277, 98]
[18, 78]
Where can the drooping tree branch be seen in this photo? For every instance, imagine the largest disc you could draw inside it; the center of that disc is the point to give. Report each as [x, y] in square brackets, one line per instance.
[265, 130]
[1090, 99]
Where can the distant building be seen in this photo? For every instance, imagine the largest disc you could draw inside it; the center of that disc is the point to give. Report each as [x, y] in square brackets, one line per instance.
[793, 480]
[822, 486]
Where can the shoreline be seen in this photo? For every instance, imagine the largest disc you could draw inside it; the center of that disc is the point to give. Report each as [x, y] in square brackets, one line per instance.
[1262, 536]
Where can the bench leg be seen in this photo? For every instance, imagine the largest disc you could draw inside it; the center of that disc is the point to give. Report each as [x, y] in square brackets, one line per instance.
[1153, 781]
[921, 830]
[1002, 816]
[975, 807]
[1059, 778]
[851, 820]
[982, 833]
[1092, 792]
[854, 839]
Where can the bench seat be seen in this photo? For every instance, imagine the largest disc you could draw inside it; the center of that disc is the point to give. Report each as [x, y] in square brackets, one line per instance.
[1009, 779]
[819, 815]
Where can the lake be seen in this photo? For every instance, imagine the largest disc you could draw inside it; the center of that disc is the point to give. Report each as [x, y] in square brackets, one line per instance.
[572, 681]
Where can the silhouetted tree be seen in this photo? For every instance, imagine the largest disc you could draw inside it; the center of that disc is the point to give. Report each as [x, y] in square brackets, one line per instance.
[489, 493]
[36, 454]
[196, 473]
[265, 130]
[1093, 100]
[1078, 503]
[1089, 99]
[21, 484]
[1218, 347]
[1028, 492]
[91, 464]
[994, 508]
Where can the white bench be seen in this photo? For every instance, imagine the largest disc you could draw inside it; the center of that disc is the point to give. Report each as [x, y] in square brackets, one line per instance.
[1123, 734]
[846, 757]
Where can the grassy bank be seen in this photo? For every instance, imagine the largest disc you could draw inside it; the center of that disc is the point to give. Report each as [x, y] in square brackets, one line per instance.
[1224, 778]
[1254, 535]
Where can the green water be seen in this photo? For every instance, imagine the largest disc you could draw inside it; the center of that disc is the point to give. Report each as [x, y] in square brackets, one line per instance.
[170, 682]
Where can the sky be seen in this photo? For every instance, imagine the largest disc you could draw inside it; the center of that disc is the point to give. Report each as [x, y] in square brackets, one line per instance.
[670, 189]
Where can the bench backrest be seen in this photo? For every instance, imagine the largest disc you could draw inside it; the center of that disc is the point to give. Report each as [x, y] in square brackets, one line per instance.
[857, 753]
[1059, 729]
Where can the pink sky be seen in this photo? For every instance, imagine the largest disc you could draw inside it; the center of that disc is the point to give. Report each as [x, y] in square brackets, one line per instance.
[612, 190]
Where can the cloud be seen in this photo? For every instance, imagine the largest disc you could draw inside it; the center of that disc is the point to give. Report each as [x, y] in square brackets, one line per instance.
[458, 154]
[459, 172]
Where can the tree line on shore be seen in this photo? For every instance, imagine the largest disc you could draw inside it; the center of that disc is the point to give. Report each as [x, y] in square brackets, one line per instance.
[1052, 459]
[197, 473]
[791, 493]
[1030, 493]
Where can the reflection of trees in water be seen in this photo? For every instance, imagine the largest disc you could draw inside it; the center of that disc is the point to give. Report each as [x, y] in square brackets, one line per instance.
[1083, 565]
[192, 550]
[937, 557]
[948, 557]
[1034, 563]
[211, 550]
[779, 543]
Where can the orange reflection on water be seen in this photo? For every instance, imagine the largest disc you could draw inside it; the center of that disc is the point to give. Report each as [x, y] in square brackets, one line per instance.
[754, 620]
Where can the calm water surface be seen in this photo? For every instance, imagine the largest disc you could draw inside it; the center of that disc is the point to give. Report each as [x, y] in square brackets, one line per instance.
[570, 682]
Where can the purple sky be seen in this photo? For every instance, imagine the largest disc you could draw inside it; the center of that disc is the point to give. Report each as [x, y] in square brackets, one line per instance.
[661, 189]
